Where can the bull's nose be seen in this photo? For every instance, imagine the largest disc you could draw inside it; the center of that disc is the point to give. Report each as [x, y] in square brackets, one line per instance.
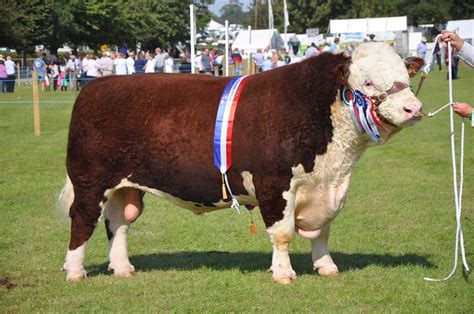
[413, 109]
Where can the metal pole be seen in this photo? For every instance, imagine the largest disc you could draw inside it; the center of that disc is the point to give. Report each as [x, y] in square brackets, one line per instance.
[192, 28]
[226, 55]
[248, 50]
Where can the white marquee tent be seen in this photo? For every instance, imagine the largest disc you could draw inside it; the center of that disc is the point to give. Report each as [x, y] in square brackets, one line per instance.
[368, 25]
[259, 39]
[464, 28]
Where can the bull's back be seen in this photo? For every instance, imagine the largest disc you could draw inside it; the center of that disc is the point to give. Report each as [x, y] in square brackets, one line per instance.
[154, 129]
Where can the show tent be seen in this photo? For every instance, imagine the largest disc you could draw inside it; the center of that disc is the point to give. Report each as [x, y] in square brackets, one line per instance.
[259, 39]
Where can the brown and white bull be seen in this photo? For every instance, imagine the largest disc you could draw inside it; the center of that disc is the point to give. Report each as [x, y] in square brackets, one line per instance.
[295, 145]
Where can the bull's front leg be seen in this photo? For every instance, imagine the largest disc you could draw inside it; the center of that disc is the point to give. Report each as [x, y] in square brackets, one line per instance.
[281, 232]
[322, 261]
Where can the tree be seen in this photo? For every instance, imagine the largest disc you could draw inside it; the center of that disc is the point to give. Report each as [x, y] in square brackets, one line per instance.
[234, 13]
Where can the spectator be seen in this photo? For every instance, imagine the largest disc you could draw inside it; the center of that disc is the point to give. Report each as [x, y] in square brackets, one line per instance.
[159, 60]
[335, 45]
[140, 63]
[106, 64]
[11, 74]
[150, 64]
[93, 68]
[3, 75]
[131, 63]
[371, 38]
[184, 66]
[84, 66]
[421, 49]
[206, 63]
[53, 75]
[168, 64]
[120, 64]
[40, 67]
[311, 51]
[218, 62]
[62, 80]
[72, 68]
[258, 59]
[237, 60]
[267, 65]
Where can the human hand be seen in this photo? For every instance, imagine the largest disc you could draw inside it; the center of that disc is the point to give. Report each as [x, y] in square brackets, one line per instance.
[456, 41]
[463, 109]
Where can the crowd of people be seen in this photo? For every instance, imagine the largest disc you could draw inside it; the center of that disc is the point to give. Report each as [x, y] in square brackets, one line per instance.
[8, 71]
[76, 73]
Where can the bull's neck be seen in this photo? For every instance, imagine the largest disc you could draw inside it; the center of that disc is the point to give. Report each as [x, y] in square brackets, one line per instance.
[345, 149]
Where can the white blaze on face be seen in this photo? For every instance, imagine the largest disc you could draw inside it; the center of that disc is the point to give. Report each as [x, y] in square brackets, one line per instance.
[374, 69]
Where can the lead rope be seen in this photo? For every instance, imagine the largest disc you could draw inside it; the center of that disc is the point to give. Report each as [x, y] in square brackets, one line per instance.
[459, 239]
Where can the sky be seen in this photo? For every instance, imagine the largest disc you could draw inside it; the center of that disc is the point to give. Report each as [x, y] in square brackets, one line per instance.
[220, 3]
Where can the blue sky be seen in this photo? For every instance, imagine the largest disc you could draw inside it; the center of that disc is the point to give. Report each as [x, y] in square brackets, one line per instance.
[220, 3]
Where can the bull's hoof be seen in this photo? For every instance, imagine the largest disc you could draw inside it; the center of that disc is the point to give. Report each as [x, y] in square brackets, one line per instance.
[283, 277]
[127, 271]
[329, 270]
[76, 276]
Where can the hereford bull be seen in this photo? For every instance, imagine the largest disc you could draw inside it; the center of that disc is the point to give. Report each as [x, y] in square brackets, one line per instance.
[295, 144]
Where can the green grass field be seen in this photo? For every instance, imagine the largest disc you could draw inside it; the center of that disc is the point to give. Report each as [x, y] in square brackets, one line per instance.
[398, 226]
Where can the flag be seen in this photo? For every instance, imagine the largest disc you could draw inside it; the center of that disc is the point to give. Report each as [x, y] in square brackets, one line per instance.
[285, 13]
[270, 15]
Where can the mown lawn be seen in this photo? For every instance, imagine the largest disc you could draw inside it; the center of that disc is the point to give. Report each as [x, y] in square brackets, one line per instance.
[397, 227]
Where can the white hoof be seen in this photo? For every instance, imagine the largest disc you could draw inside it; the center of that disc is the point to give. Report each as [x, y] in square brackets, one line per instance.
[282, 276]
[328, 270]
[127, 271]
[76, 276]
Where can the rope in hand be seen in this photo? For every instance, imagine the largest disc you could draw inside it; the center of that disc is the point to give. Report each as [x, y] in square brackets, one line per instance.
[459, 239]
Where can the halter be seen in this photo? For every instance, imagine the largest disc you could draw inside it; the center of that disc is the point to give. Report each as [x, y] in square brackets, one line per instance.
[364, 109]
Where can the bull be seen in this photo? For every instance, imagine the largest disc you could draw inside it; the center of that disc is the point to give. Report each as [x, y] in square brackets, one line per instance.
[296, 140]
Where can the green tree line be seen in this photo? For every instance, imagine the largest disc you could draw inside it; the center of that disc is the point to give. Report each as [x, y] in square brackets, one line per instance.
[53, 23]
[317, 13]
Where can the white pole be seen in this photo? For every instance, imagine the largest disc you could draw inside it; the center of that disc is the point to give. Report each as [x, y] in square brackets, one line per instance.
[226, 55]
[192, 29]
[248, 50]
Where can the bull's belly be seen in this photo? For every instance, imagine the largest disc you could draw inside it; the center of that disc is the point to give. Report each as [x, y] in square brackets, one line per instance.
[317, 205]
[194, 206]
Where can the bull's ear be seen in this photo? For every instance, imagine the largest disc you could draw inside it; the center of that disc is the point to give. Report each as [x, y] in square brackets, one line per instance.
[414, 65]
[342, 71]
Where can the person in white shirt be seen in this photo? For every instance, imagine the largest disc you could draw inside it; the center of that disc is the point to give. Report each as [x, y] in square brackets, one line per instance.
[11, 74]
[131, 63]
[93, 68]
[106, 64]
[311, 51]
[120, 65]
[150, 63]
[169, 63]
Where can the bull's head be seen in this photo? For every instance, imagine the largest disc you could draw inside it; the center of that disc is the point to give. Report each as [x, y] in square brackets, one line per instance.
[378, 72]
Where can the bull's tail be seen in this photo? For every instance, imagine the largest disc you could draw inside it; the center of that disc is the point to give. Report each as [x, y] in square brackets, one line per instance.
[65, 199]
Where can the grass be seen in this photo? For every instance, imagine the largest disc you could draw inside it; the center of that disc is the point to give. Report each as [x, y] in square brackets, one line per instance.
[397, 227]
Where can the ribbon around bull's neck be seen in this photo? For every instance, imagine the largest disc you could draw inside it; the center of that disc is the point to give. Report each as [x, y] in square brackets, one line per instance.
[223, 132]
[362, 112]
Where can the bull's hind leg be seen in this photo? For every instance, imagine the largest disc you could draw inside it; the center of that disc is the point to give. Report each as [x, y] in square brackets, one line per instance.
[322, 261]
[84, 214]
[117, 227]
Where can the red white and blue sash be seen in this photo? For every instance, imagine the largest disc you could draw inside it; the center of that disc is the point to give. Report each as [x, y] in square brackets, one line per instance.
[223, 129]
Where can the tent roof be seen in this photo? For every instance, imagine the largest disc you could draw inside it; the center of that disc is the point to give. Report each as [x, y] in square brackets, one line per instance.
[464, 28]
[369, 25]
[260, 38]
[214, 25]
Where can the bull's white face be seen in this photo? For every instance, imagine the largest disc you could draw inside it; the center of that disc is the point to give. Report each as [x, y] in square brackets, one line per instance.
[375, 68]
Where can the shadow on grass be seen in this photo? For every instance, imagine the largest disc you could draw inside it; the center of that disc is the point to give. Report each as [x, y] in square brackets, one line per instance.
[256, 261]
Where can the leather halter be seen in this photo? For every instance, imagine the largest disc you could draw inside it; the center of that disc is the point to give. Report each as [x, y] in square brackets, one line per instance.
[396, 87]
